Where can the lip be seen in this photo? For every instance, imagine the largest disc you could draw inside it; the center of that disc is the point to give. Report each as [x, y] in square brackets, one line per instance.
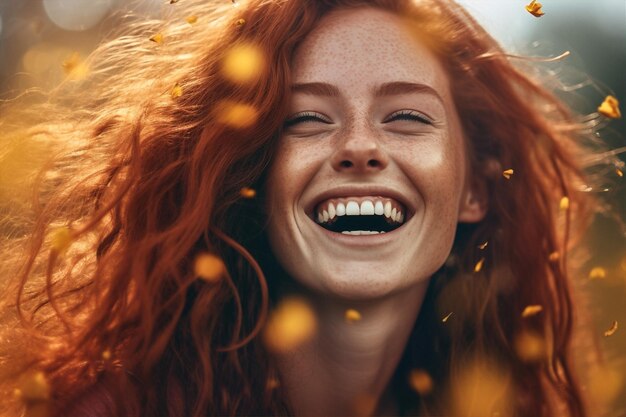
[360, 191]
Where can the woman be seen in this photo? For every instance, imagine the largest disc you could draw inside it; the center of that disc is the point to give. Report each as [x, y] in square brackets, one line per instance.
[357, 117]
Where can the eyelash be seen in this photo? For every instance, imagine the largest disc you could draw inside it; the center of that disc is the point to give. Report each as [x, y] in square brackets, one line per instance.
[412, 115]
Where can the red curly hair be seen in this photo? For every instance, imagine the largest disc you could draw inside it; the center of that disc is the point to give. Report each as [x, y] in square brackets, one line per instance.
[120, 323]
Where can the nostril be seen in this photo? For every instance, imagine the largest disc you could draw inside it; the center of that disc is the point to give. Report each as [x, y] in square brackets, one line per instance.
[373, 163]
[346, 164]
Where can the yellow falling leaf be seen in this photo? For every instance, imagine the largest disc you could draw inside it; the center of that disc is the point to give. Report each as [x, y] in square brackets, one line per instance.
[610, 108]
[534, 8]
[33, 388]
[209, 267]
[554, 256]
[479, 265]
[445, 319]
[564, 203]
[243, 63]
[192, 19]
[532, 310]
[157, 38]
[482, 246]
[176, 91]
[611, 331]
[292, 323]
[530, 346]
[240, 22]
[60, 239]
[597, 273]
[247, 192]
[352, 315]
[238, 115]
[74, 67]
[421, 381]
[508, 173]
[619, 172]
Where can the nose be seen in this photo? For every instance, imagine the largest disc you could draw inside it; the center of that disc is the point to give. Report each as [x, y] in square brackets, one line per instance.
[359, 151]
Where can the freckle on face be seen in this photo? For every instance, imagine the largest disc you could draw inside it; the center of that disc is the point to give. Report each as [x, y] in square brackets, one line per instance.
[357, 51]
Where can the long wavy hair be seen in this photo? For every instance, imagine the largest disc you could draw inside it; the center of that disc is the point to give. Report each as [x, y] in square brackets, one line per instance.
[142, 180]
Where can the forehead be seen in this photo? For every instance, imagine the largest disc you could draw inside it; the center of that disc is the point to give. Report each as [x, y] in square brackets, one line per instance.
[359, 48]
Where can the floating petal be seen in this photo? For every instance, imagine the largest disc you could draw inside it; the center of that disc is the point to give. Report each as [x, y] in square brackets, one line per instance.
[554, 256]
[597, 273]
[192, 19]
[61, 238]
[445, 319]
[534, 8]
[532, 310]
[482, 246]
[176, 91]
[240, 22]
[157, 38]
[508, 173]
[610, 108]
[479, 265]
[564, 203]
[611, 331]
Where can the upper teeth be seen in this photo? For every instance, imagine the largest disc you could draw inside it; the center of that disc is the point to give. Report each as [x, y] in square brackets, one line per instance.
[368, 207]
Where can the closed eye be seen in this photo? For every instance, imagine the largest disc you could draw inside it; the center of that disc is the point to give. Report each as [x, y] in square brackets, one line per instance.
[306, 117]
[410, 115]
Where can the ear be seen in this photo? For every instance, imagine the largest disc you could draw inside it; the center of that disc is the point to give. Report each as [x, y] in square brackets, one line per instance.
[473, 204]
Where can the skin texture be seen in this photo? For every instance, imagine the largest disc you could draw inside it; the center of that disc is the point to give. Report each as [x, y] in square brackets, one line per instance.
[361, 144]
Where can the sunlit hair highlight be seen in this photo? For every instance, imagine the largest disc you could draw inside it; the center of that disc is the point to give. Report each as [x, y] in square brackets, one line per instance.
[144, 181]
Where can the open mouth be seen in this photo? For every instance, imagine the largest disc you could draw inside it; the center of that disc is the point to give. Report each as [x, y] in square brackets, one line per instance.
[360, 216]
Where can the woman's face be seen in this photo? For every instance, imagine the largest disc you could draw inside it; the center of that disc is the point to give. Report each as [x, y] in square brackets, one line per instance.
[372, 133]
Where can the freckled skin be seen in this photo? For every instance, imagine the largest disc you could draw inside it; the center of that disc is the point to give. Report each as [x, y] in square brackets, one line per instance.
[425, 163]
[356, 51]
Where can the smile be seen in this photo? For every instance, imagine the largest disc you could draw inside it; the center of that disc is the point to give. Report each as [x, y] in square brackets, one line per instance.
[360, 215]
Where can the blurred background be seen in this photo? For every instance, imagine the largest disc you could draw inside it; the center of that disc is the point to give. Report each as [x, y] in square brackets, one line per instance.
[40, 39]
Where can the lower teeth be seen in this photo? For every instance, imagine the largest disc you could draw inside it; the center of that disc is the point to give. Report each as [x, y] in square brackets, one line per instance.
[360, 232]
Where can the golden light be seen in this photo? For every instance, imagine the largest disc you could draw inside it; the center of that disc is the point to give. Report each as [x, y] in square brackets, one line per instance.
[238, 115]
[597, 273]
[33, 388]
[604, 384]
[421, 381]
[530, 346]
[480, 390]
[352, 315]
[292, 323]
[74, 67]
[243, 63]
[209, 267]
[564, 203]
[247, 192]
[479, 265]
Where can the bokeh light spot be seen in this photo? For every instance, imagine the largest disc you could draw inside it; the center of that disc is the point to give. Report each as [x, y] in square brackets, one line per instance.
[352, 315]
[292, 323]
[243, 63]
[530, 346]
[209, 267]
[238, 115]
[421, 381]
[76, 15]
[247, 192]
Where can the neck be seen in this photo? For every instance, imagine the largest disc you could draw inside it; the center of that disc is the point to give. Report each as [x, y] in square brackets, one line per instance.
[346, 367]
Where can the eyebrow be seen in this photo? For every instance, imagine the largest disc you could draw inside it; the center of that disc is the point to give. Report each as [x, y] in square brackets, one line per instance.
[387, 89]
